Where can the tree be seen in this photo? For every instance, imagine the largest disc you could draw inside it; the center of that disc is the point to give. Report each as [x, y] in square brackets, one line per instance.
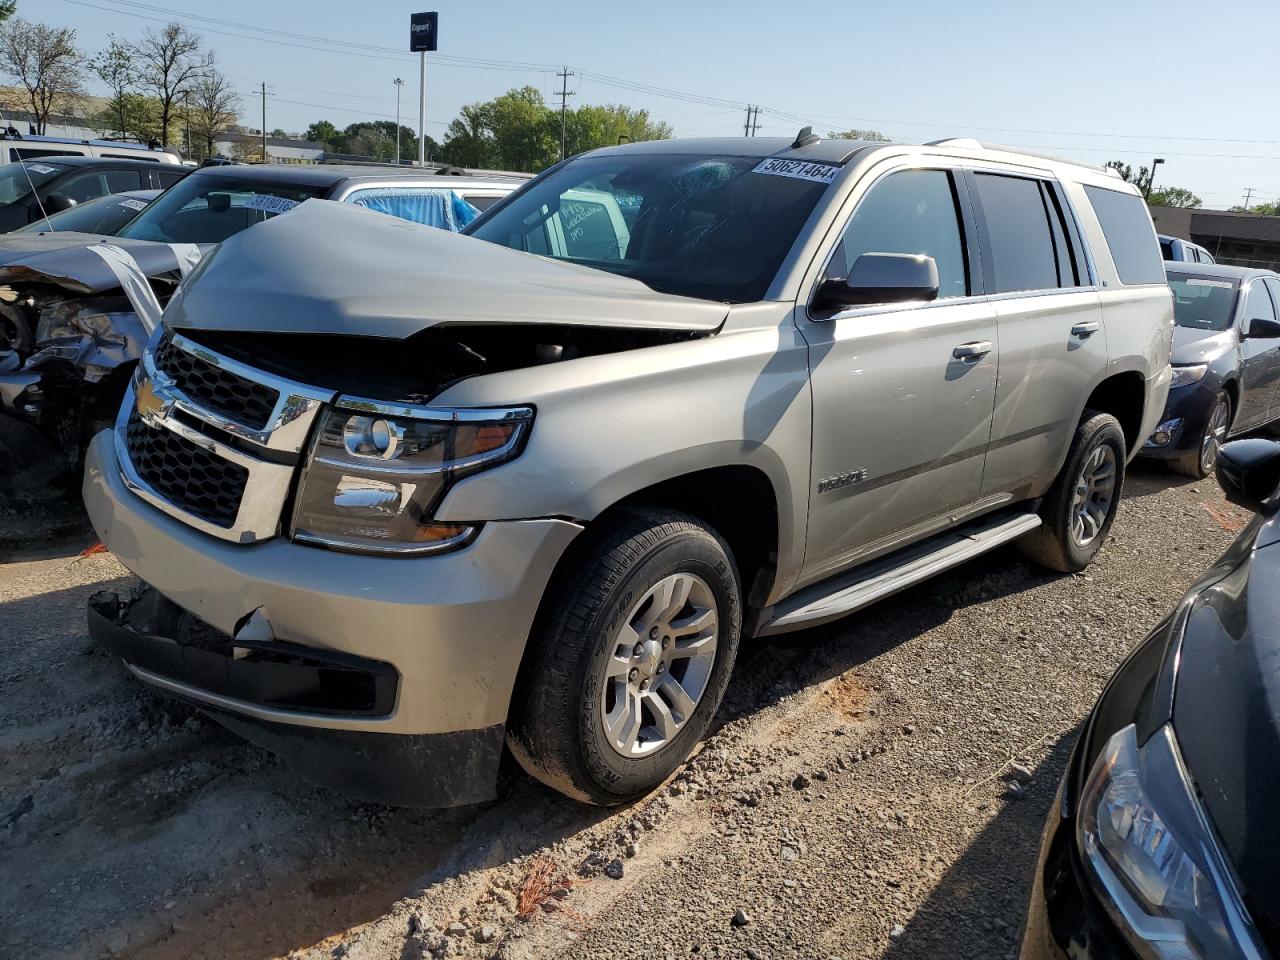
[132, 115]
[874, 136]
[1271, 209]
[590, 127]
[368, 141]
[115, 67]
[46, 63]
[1173, 197]
[279, 133]
[322, 131]
[522, 137]
[214, 107]
[469, 142]
[247, 148]
[169, 64]
[7, 9]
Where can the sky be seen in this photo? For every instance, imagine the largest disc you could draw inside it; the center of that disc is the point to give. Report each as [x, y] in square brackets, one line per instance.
[1190, 82]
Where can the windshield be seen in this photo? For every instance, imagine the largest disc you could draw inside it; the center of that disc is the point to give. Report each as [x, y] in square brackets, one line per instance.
[105, 215]
[1203, 303]
[699, 226]
[16, 183]
[209, 208]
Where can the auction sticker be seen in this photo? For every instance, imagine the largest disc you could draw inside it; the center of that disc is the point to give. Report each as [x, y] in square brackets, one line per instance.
[270, 204]
[41, 168]
[132, 204]
[1201, 282]
[798, 169]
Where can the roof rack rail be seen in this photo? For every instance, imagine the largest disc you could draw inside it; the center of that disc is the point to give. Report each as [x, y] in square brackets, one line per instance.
[967, 142]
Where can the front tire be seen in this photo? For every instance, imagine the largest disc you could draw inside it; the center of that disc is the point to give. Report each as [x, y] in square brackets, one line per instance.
[628, 669]
[1078, 510]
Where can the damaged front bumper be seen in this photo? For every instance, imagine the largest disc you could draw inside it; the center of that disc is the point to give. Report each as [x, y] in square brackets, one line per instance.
[169, 649]
[451, 628]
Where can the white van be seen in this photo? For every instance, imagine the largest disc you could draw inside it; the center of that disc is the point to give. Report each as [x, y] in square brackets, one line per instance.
[14, 146]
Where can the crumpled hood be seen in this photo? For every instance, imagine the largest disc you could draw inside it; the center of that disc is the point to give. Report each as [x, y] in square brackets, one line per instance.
[1226, 713]
[1200, 346]
[333, 268]
[64, 258]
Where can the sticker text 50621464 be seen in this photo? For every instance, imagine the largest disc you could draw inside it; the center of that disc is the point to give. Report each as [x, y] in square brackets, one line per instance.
[798, 169]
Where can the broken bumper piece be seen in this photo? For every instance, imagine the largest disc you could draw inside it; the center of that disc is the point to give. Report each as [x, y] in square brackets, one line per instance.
[254, 687]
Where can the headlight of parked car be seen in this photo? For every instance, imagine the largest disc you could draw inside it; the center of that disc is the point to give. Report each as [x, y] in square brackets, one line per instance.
[1150, 847]
[1182, 376]
[377, 473]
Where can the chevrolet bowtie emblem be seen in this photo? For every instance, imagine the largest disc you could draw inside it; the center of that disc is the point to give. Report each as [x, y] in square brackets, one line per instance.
[150, 406]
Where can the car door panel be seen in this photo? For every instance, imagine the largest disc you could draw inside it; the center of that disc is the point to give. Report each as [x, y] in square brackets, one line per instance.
[1259, 360]
[902, 394]
[1052, 339]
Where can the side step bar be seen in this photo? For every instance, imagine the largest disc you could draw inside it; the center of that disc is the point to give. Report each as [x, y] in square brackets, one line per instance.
[846, 593]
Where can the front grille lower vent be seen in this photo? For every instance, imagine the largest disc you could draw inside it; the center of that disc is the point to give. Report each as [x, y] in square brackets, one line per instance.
[185, 474]
[217, 390]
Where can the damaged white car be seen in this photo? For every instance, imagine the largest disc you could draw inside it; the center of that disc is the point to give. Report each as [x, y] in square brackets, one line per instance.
[76, 309]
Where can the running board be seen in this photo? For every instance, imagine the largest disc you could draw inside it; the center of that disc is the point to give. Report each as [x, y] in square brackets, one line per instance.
[842, 595]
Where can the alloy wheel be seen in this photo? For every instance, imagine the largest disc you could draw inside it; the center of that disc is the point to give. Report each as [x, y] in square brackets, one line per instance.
[1095, 490]
[1215, 435]
[659, 665]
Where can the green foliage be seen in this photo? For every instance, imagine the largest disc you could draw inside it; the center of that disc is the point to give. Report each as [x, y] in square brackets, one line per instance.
[7, 9]
[1271, 209]
[519, 131]
[1174, 197]
[133, 116]
[322, 131]
[874, 136]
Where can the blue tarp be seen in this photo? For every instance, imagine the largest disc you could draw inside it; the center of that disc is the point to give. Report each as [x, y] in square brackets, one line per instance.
[433, 207]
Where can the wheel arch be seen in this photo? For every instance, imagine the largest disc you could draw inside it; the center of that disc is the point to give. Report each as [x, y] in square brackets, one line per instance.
[1124, 396]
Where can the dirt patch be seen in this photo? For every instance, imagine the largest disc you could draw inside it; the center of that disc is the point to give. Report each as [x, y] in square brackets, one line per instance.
[848, 696]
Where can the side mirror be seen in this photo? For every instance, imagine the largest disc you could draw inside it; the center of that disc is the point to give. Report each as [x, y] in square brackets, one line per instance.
[1249, 473]
[881, 278]
[56, 203]
[1261, 329]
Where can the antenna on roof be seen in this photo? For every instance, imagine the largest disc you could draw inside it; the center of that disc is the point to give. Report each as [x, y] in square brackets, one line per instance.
[805, 137]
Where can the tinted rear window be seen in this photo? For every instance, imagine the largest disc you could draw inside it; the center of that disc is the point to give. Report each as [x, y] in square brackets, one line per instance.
[1022, 244]
[1130, 237]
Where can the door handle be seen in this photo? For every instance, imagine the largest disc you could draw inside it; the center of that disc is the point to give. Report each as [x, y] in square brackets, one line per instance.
[1084, 329]
[973, 351]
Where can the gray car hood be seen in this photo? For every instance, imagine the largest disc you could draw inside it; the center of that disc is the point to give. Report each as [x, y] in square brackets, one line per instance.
[334, 268]
[63, 258]
[1200, 346]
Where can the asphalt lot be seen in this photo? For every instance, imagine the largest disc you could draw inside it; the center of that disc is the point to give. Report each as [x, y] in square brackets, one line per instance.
[851, 802]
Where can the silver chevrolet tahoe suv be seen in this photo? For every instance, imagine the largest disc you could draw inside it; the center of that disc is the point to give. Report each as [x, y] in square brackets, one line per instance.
[404, 497]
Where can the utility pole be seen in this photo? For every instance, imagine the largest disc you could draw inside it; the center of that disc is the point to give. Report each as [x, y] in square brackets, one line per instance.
[399, 83]
[186, 99]
[755, 123]
[264, 121]
[1151, 177]
[564, 93]
[1248, 195]
[746, 127]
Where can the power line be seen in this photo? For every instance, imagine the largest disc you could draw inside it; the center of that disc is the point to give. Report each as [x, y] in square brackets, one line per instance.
[564, 93]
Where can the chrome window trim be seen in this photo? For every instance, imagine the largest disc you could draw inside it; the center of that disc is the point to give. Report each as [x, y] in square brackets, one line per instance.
[878, 308]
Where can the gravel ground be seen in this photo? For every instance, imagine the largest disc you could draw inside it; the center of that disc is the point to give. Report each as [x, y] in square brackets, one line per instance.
[853, 802]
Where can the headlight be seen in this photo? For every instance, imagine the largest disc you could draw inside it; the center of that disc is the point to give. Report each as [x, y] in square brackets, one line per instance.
[1150, 847]
[378, 471]
[1182, 376]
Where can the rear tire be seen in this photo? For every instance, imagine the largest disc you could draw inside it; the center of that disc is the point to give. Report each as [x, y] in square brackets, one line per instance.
[1199, 463]
[627, 670]
[1078, 510]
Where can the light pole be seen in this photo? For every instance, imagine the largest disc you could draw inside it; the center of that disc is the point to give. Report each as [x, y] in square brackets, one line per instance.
[1151, 177]
[399, 84]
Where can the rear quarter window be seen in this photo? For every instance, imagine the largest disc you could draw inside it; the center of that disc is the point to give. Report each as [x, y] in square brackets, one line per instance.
[1126, 225]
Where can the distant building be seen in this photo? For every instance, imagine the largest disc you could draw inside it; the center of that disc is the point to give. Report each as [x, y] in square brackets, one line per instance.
[1243, 239]
[279, 149]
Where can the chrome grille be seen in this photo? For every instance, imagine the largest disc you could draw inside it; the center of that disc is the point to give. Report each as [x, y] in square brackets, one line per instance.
[184, 443]
[190, 478]
[216, 388]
